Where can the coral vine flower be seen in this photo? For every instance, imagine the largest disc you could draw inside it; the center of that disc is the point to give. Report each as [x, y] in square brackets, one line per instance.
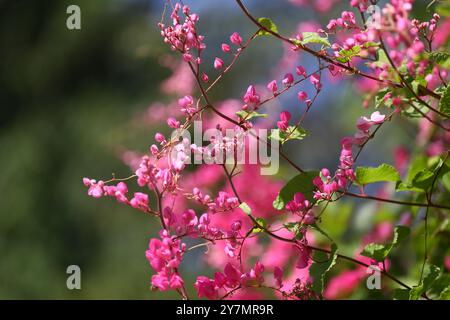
[225, 48]
[272, 86]
[236, 39]
[301, 71]
[251, 99]
[285, 116]
[302, 96]
[218, 63]
[288, 79]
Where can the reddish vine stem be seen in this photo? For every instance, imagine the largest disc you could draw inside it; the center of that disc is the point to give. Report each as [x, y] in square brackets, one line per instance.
[405, 203]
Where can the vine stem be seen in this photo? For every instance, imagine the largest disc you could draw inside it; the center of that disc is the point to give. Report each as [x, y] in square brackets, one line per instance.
[406, 203]
[429, 195]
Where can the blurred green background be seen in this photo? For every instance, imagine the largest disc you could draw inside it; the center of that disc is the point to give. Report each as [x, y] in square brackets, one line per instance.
[67, 99]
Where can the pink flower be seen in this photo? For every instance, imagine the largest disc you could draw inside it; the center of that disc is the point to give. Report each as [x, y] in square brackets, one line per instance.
[302, 96]
[278, 276]
[447, 263]
[236, 39]
[272, 86]
[301, 71]
[288, 79]
[326, 189]
[154, 149]
[185, 101]
[361, 137]
[225, 48]
[363, 124]
[377, 118]
[139, 201]
[160, 281]
[233, 275]
[165, 256]
[251, 98]
[206, 288]
[176, 282]
[332, 24]
[298, 203]
[187, 57]
[255, 274]
[159, 137]
[173, 123]
[205, 77]
[285, 116]
[218, 63]
[225, 202]
[315, 80]
[95, 191]
[304, 257]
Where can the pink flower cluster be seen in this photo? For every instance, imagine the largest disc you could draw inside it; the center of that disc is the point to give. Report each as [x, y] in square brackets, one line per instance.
[251, 99]
[165, 256]
[182, 35]
[302, 207]
[283, 124]
[100, 189]
[327, 184]
[230, 279]
[346, 21]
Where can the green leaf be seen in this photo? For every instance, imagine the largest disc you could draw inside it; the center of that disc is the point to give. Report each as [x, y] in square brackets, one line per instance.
[347, 55]
[300, 183]
[401, 294]
[384, 172]
[245, 207]
[370, 44]
[414, 112]
[446, 181]
[378, 251]
[268, 24]
[430, 273]
[382, 59]
[314, 37]
[445, 294]
[420, 175]
[440, 288]
[295, 228]
[262, 223]
[292, 133]
[380, 98]
[321, 265]
[440, 57]
[250, 115]
[444, 103]
[417, 83]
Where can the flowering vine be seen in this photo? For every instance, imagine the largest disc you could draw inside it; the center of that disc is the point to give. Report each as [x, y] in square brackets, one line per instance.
[400, 67]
